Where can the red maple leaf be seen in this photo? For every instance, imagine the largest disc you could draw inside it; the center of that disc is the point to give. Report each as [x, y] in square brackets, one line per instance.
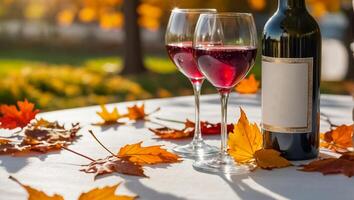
[12, 117]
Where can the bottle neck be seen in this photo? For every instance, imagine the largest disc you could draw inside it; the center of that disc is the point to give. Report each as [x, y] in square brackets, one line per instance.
[291, 4]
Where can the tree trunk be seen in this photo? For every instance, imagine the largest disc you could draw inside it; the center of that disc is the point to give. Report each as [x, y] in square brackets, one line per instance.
[133, 58]
[348, 40]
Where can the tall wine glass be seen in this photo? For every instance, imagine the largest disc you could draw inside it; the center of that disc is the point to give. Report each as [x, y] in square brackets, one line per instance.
[225, 48]
[179, 45]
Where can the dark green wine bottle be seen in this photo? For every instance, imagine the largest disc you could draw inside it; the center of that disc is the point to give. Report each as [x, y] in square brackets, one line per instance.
[291, 68]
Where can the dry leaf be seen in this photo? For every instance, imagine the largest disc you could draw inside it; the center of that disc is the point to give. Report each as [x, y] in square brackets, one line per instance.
[106, 193]
[248, 85]
[34, 194]
[338, 139]
[342, 165]
[170, 133]
[270, 159]
[112, 164]
[136, 112]
[42, 136]
[147, 155]
[4, 141]
[207, 128]
[245, 140]
[109, 118]
[13, 118]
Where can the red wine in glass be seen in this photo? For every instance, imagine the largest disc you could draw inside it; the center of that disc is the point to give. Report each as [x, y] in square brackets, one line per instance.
[182, 55]
[225, 66]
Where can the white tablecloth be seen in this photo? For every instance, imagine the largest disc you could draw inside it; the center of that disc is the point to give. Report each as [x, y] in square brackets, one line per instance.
[59, 172]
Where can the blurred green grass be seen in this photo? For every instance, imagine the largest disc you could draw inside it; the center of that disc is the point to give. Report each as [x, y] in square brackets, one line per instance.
[42, 77]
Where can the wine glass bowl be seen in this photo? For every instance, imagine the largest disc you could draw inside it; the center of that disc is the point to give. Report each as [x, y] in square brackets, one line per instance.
[179, 45]
[225, 48]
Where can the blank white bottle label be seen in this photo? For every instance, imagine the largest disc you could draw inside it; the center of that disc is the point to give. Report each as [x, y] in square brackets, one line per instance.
[287, 94]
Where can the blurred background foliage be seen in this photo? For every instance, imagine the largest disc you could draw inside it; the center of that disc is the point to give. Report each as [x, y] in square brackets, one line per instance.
[69, 53]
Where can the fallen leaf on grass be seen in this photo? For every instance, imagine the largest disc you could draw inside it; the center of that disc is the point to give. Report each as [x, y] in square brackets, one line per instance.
[106, 193]
[248, 85]
[245, 140]
[113, 164]
[342, 165]
[147, 155]
[270, 159]
[12, 118]
[42, 136]
[338, 139]
[34, 194]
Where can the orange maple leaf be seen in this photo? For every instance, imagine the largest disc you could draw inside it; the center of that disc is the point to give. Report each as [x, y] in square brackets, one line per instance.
[245, 140]
[136, 112]
[338, 139]
[248, 85]
[270, 159]
[170, 133]
[113, 164]
[13, 118]
[147, 155]
[343, 165]
[106, 193]
[34, 194]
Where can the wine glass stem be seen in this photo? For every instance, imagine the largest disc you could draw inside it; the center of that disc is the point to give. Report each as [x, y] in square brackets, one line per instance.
[197, 130]
[224, 96]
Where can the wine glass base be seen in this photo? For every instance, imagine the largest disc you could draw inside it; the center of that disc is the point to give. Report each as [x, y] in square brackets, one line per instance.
[197, 149]
[223, 164]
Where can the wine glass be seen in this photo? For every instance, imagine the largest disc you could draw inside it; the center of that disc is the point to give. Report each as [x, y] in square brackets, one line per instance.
[225, 48]
[179, 44]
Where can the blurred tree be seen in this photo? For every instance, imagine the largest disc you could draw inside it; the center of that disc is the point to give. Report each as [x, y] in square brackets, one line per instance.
[133, 59]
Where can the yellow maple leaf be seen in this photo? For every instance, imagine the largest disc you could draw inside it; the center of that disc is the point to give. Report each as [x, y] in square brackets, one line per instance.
[136, 112]
[248, 85]
[34, 194]
[109, 117]
[245, 140]
[269, 159]
[147, 155]
[106, 193]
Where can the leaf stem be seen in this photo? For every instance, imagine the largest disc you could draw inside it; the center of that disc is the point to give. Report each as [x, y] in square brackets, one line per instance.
[169, 120]
[154, 111]
[93, 135]
[328, 120]
[14, 179]
[77, 153]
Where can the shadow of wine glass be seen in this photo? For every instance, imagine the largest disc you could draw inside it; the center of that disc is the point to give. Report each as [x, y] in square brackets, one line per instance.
[237, 182]
[291, 184]
[134, 185]
[15, 164]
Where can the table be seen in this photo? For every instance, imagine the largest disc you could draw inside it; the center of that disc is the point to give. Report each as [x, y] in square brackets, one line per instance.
[59, 172]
